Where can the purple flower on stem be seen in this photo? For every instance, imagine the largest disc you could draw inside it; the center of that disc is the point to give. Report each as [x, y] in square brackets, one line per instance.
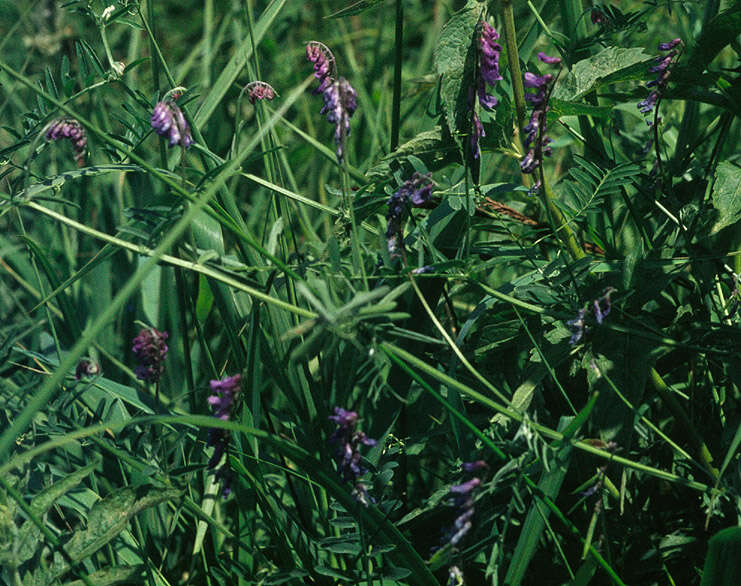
[150, 349]
[416, 191]
[347, 455]
[168, 121]
[662, 65]
[259, 90]
[340, 103]
[324, 64]
[536, 140]
[490, 51]
[68, 129]
[600, 307]
[222, 402]
[463, 501]
[340, 98]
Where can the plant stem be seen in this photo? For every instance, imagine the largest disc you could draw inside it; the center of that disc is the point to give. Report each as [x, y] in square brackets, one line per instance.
[396, 106]
[513, 59]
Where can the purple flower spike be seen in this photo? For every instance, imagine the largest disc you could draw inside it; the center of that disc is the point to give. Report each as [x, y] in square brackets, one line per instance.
[324, 64]
[340, 103]
[259, 90]
[490, 51]
[168, 121]
[347, 455]
[222, 402]
[68, 129]
[662, 67]
[536, 140]
[150, 349]
[416, 191]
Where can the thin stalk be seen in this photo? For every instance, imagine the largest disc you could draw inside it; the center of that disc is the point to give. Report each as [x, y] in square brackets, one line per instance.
[513, 59]
[559, 223]
[398, 47]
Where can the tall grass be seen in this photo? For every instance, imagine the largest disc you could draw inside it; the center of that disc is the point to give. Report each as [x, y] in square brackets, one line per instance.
[449, 370]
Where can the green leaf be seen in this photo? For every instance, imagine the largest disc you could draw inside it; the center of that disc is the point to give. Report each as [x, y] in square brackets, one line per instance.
[723, 562]
[454, 61]
[560, 108]
[608, 66]
[55, 182]
[237, 63]
[727, 196]
[29, 536]
[719, 32]
[111, 576]
[433, 147]
[109, 517]
[355, 8]
[535, 522]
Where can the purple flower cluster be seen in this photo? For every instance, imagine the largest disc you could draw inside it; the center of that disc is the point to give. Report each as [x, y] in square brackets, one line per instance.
[340, 103]
[463, 501]
[259, 90]
[168, 121]
[324, 64]
[150, 349]
[347, 455]
[222, 402]
[340, 98]
[600, 307]
[536, 139]
[489, 51]
[416, 191]
[65, 128]
[661, 67]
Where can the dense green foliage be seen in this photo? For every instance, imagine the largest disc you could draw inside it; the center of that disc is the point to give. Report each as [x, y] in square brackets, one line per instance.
[560, 348]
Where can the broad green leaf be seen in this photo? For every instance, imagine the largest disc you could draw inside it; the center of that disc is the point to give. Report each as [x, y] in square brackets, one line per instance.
[109, 517]
[560, 108]
[454, 61]
[608, 66]
[433, 147]
[111, 576]
[723, 562]
[727, 196]
[29, 536]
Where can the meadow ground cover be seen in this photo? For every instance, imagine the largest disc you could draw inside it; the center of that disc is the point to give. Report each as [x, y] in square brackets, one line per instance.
[370, 292]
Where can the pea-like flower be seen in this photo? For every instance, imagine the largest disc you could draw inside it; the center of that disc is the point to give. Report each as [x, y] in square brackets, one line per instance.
[601, 309]
[71, 130]
[662, 69]
[340, 98]
[416, 191]
[150, 349]
[340, 103]
[225, 393]
[259, 90]
[168, 121]
[347, 455]
[536, 140]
